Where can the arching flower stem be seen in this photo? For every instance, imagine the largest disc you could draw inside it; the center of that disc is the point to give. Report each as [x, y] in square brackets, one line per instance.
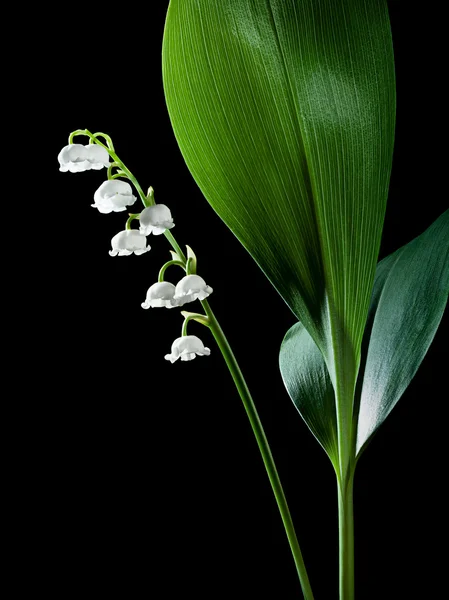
[105, 136]
[130, 220]
[184, 326]
[193, 317]
[116, 175]
[203, 319]
[111, 166]
[234, 370]
[165, 267]
[75, 133]
[147, 201]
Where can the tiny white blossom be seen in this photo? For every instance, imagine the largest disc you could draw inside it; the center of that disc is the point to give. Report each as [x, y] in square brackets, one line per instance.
[77, 158]
[128, 241]
[190, 288]
[155, 219]
[160, 294]
[187, 347]
[113, 196]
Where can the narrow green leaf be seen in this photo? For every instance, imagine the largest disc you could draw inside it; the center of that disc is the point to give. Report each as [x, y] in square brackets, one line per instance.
[308, 383]
[410, 294]
[175, 256]
[284, 111]
[196, 317]
[192, 261]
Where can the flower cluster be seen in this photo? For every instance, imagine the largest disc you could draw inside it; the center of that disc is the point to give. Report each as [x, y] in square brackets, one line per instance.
[190, 288]
[115, 195]
[76, 158]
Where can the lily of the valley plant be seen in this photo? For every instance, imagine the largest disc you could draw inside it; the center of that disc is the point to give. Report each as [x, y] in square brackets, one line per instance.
[285, 113]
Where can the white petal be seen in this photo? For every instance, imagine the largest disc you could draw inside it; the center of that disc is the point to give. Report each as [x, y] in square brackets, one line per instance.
[118, 208]
[183, 296]
[187, 347]
[190, 284]
[142, 251]
[129, 241]
[72, 153]
[181, 300]
[160, 294]
[162, 228]
[102, 209]
[171, 358]
[74, 158]
[162, 289]
[97, 155]
[79, 167]
[111, 187]
[146, 229]
[189, 343]
[155, 219]
[117, 240]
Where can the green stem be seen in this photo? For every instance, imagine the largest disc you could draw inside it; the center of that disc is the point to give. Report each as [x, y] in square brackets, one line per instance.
[130, 220]
[106, 137]
[160, 277]
[146, 201]
[346, 535]
[130, 176]
[174, 245]
[238, 378]
[75, 133]
[264, 447]
[184, 326]
[110, 168]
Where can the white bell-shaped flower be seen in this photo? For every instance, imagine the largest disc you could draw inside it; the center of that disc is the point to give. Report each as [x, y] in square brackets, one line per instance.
[113, 196]
[190, 288]
[76, 158]
[128, 241]
[155, 219]
[160, 294]
[187, 347]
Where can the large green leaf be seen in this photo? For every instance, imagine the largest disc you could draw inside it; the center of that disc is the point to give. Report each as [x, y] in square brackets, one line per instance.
[410, 294]
[284, 112]
[307, 380]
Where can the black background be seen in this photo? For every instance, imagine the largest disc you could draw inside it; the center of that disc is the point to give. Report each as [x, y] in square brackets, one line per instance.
[142, 478]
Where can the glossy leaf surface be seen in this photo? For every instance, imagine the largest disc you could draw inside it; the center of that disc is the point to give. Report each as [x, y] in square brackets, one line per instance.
[307, 380]
[410, 294]
[284, 112]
